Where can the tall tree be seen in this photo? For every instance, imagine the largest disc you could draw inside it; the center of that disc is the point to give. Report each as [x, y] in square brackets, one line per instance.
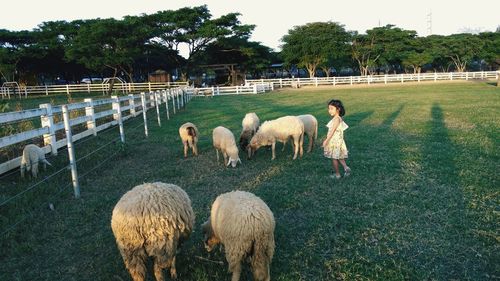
[314, 44]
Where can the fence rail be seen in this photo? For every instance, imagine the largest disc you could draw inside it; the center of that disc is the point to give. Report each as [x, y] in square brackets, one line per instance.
[371, 79]
[25, 91]
[120, 108]
[231, 90]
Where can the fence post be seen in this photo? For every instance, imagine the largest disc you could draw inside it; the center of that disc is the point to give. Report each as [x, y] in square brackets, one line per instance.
[351, 79]
[272, 86]
[46, 91]
[144, 109]
[149, 86]
[171, 93]
[298, 82]
[451, 76]
[218, 90]
[178, 101]
[466, 76]
[418, 77]
[385, 78]
[435, 76]
[254, 85]
[402, 78]
[165, 96]
[118, 116]
[88, 88]
[151, 99]
[48, 121]
[71, 152]
[26, 92]
[89, 111]
[67, 89]
[368, 79]
[157, 108]
[131, 103]
[316, 81]
[281, 82]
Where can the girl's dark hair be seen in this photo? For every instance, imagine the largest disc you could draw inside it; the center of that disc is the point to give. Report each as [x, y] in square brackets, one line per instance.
[338, 104]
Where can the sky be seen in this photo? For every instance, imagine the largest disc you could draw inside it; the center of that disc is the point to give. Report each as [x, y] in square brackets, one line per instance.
[273, 19]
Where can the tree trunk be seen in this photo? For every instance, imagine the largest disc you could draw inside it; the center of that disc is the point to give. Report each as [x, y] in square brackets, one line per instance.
[112, 83]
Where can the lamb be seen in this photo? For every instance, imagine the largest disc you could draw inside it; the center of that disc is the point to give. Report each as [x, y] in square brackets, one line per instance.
[250, 126]
[244, 224]
[32, 156]
[280, 130]
[310, 129]
[189, 136]
[223, 140]
[152, 220]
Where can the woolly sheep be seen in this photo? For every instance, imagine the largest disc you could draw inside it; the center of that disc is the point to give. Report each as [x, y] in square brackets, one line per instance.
[223, 140]
[32, 156]
[250, 125]
[189, 135]
[310, 129]
[280, 130]
[244, 224]
[152, 220]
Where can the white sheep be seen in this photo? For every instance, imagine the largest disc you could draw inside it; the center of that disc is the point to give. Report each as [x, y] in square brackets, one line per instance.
[310, 129]
[280, 130]
[250, 125]
[32, 156]
[244, 224]
[189, 135]
[152, 220]
[223, 140]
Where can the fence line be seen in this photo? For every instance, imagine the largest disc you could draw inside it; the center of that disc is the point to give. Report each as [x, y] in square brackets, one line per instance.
[25, 91]
[393, 78]
[49, 129]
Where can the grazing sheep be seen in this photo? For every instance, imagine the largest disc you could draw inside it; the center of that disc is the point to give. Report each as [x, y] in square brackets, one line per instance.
[244, 224]
[310, 129]
[224, 141]
[152, 220]
[250, 126]
[280, 130]
[189, 136]
[32, 156]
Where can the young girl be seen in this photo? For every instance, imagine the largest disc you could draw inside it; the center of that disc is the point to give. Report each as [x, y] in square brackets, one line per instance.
[334, 144]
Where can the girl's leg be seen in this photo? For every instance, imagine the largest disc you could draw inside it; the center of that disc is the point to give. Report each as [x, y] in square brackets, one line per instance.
[347, 170]
[336, 167]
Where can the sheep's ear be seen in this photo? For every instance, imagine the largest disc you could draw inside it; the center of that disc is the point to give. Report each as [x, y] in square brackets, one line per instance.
[228, 162]
[239, 160]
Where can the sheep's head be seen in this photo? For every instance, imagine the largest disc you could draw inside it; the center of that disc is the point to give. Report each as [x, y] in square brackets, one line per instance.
[233, 162]
[234, 158]
[209, 239]
[245, 138]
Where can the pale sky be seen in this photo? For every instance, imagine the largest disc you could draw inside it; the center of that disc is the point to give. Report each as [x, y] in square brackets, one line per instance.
[274, 18]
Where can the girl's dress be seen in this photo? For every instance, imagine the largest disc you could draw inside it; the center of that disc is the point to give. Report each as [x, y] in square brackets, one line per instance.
[336, 148]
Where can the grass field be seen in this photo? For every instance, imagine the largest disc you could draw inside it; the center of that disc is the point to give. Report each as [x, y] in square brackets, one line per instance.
[422, 203]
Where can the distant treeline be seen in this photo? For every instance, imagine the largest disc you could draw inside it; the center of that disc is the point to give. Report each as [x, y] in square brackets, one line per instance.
[61, 51]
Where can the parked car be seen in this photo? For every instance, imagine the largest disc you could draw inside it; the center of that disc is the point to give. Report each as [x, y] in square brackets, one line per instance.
[94, 80]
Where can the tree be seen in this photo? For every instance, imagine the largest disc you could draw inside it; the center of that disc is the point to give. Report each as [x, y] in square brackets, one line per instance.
[365, 52]
[195, 28]
[491, 49]
[109, 43]
[462, 49]
[314, 44]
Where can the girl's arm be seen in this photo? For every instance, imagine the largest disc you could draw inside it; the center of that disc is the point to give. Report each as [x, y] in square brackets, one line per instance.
[336, 123]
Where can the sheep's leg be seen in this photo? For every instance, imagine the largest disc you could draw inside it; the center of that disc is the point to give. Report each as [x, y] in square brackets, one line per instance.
[217, 151]
[273, 146]
[185, 143]
[235, 268]
[134, 262]
[195, 148]
[301, 144]
[190, 143]
[260, 269]
[225, 157]
[284, 145]
[296, 148]
[158, 269]
[311, 143]
[34, 169]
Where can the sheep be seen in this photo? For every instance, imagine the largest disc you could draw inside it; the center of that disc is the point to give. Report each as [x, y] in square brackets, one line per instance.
[244, 224]
[310, 129]
[189, 135]
[223, 140]
[280, 130]
[32, 156]
[250, 126]
[152, 220]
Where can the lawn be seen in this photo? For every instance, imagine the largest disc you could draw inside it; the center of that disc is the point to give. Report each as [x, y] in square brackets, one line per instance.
[422, 201]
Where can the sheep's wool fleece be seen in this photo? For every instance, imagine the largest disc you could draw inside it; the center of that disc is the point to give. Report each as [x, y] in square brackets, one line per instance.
[241, 216]
[149, 212]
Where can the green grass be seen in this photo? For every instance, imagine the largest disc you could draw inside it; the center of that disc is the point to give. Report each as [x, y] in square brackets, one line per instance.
[422, 201]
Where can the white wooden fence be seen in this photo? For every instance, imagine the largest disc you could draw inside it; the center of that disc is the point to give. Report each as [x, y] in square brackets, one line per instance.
[121, 108]
[25, 91]
[372, 79]
[232, 90]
